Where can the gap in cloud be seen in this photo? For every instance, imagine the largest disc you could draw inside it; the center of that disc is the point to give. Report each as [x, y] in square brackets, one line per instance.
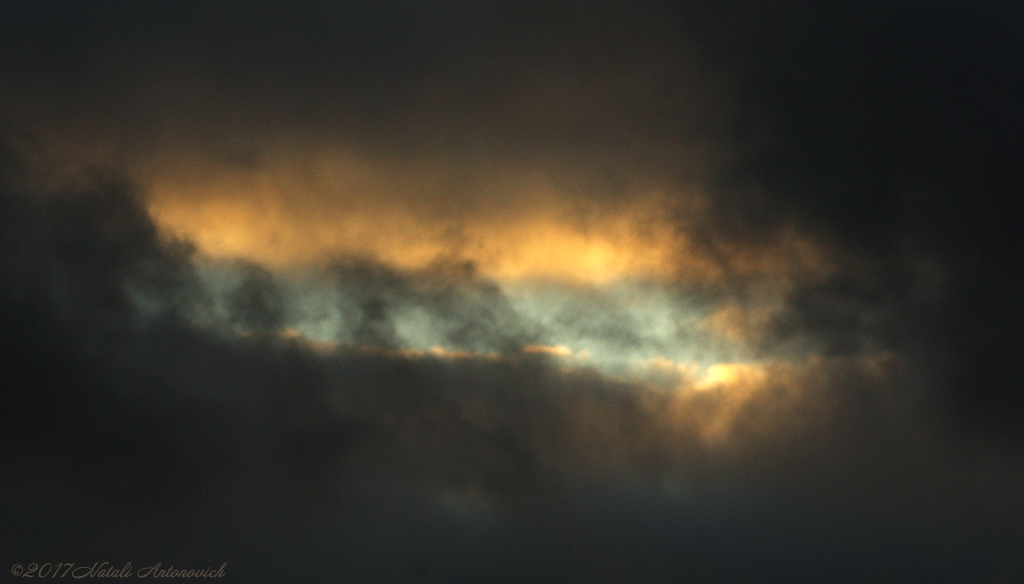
[470, 256]
[628, 328]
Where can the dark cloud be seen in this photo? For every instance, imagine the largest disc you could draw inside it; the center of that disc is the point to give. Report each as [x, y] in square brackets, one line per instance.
[592, 86]
[256, 302]
[893, 128]
[160, 409]
[136, 434]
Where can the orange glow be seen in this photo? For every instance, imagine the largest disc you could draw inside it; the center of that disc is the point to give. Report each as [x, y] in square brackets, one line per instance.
[538, 243]
[510, 223]
[732, 375]
[545, 350]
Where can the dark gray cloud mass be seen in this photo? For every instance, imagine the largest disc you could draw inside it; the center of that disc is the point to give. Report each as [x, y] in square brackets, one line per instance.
[153, 414]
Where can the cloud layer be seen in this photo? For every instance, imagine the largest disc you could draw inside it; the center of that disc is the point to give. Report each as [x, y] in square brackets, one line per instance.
[414, 292]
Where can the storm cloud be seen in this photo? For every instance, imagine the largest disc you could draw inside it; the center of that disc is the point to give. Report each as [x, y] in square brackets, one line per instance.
[506, 292]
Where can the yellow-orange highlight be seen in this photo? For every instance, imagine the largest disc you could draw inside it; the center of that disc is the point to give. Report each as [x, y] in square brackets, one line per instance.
[510, 223]
[536, 245]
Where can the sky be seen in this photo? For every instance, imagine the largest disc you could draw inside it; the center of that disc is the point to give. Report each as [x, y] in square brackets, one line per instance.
[406, 291]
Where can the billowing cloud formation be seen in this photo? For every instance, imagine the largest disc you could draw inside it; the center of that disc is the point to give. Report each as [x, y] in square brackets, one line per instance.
[506, 293]
[120, 399]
